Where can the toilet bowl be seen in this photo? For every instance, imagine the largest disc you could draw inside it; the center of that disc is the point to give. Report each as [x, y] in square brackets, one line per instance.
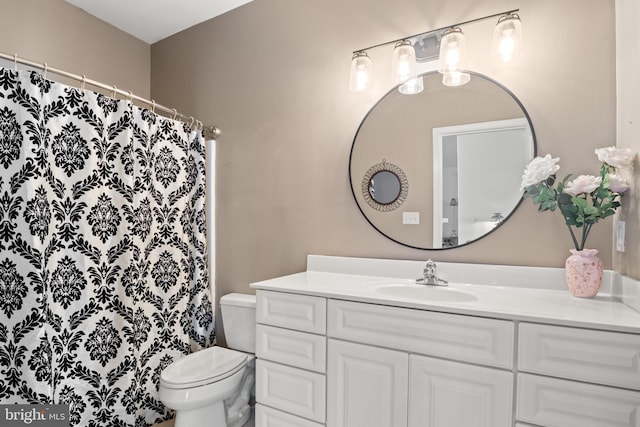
[213, 386]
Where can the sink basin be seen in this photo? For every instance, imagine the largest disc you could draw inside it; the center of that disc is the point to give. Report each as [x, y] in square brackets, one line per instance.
[425, 292]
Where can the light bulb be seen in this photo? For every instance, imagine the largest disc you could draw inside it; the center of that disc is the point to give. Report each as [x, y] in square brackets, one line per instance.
[360, 77]
[403, 64]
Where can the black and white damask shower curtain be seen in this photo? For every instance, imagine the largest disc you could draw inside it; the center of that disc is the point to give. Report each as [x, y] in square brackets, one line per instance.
[103, 273]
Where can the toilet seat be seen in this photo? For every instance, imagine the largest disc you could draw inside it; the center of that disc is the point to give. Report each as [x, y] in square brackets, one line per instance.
[203, 367]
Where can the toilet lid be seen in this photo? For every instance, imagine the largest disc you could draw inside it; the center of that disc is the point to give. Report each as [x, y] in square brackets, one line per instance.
[203, 367]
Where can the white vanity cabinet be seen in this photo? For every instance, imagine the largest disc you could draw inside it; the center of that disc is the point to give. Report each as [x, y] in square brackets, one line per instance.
[573, 377]
[333, 362]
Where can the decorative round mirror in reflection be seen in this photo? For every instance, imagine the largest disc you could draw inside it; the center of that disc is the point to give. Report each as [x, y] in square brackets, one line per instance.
[385, 187]
[463, 149]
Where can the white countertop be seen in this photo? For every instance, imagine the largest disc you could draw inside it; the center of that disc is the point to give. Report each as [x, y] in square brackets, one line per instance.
[547, 301]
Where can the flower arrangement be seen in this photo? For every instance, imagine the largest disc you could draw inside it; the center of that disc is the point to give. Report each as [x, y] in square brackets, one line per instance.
[584, 200]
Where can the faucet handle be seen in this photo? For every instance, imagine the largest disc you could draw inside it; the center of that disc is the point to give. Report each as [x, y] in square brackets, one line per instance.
[430, 276]
[430, 268]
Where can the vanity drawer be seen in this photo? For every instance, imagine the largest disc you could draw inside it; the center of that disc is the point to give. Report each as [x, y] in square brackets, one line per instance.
[291, 390]
[299, 349]
[553, 402]
[610, 358]
[269, 417]
[300, 312]
[471, 339]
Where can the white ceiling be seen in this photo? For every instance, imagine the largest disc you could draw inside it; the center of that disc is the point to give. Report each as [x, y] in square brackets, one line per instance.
[154, 20]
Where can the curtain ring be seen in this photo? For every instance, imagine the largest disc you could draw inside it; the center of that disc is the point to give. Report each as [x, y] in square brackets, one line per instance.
[191, 122]
[83, 82]
[130, 96]
[114, 91]
[175, 113]
[15, 62]
[199, 125]
[44, 74]
[153, 106]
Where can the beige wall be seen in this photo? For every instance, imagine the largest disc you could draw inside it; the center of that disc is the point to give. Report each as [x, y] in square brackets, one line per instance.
[273, 75]
[628, 70]
[69, 39]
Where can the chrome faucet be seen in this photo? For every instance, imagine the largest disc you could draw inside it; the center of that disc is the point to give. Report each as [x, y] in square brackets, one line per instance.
[430, 276]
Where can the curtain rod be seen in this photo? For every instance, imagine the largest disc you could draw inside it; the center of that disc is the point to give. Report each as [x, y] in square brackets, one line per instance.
[210, 131]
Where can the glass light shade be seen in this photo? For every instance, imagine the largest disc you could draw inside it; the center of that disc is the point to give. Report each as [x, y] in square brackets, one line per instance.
[360, 78]
[507, 38]
[413, 86]
[453, 52]
[403, 65]
[455, 78]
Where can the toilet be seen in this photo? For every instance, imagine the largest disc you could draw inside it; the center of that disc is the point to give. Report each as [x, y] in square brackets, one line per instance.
[212, 387]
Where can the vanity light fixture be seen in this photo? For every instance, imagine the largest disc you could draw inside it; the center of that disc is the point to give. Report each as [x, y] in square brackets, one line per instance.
[452, 62]
[403, 65]
[452, 59]
[507, 37]
[360, 78]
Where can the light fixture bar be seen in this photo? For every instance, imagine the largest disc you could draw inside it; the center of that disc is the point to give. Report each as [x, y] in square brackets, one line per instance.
[437, 30]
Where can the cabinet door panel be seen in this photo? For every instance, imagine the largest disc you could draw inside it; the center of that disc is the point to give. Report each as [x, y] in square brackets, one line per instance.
[300, 312]
[367, 386]
[450, 394]
[450, 336]
[269, 417]
[560, 403]
[290, 389]
[293, 348]
[603, 357]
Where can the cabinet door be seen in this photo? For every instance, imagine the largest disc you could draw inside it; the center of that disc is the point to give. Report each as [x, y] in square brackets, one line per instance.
[451, 394]
[367, 386]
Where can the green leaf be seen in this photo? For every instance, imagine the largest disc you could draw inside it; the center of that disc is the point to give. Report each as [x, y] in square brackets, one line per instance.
[590, 210]
[579, 202]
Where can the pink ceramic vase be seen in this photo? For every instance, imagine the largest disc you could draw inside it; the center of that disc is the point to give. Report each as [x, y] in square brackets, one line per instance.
[583, 271]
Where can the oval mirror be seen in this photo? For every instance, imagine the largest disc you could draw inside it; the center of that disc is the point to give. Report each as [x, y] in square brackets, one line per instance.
[462, 148]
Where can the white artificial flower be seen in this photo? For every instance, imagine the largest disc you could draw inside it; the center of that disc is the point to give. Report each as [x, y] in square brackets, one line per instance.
[617, 183]
[620, 158]
[538, 170]
[583, 184]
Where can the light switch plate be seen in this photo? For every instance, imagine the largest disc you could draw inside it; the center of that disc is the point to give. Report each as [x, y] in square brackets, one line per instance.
[411, 217]
[620, 236]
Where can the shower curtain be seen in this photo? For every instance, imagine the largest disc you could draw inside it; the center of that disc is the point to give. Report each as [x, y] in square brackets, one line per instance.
[103, 268]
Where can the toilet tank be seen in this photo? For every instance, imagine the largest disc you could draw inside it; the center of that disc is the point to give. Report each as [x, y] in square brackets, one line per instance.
[239, 321]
